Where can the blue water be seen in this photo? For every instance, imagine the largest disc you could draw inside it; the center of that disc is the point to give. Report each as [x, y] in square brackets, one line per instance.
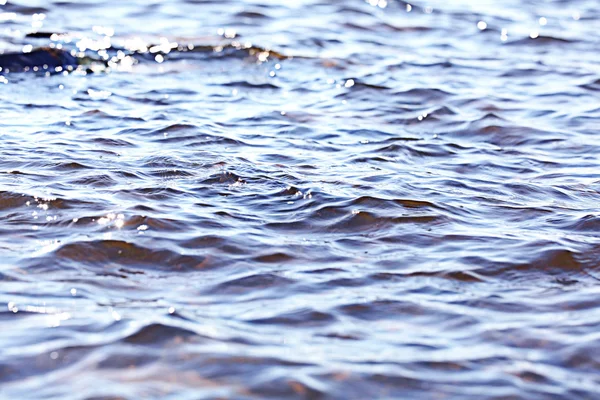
[312, 200]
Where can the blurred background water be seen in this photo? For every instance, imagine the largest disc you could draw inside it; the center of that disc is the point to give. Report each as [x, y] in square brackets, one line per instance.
[400, 201]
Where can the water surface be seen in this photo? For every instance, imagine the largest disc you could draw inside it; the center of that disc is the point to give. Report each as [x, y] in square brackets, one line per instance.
[404, 204]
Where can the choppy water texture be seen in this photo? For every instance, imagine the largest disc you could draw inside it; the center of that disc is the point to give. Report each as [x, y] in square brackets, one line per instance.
[407, 208]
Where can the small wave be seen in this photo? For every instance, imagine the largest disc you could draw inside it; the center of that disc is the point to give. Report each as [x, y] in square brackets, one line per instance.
[99, 253]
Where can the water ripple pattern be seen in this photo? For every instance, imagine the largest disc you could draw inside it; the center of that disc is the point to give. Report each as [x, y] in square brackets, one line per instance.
[314, 199]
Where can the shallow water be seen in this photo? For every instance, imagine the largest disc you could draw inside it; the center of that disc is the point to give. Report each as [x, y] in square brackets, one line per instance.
[407, 208]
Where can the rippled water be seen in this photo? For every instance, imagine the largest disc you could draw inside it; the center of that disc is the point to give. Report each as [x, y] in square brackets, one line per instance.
[402, 201]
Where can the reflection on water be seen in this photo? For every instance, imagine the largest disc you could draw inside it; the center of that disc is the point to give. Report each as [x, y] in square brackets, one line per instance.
[269, 199]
